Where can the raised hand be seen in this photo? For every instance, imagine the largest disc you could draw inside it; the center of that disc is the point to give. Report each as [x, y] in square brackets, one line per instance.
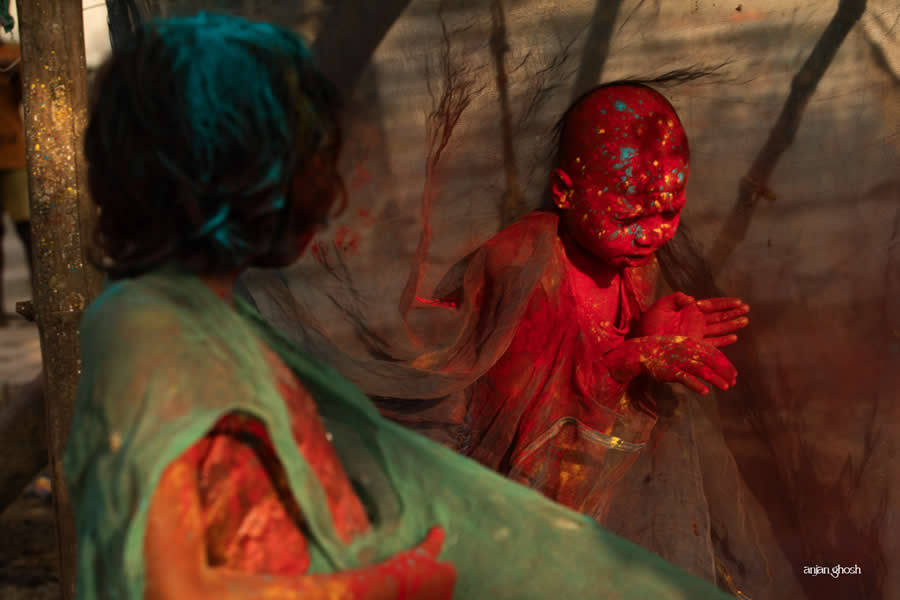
[723, 317]
[672, 359]
[412, 575]
[713, 321]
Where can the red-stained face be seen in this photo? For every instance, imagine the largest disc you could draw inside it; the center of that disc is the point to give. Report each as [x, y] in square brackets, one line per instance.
[622, 173]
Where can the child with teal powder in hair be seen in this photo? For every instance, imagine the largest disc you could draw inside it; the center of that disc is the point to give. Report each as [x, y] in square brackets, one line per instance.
[209, 458]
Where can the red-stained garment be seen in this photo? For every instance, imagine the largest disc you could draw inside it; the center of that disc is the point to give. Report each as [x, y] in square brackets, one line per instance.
[253, 525]
[540, 414]
[569, 441]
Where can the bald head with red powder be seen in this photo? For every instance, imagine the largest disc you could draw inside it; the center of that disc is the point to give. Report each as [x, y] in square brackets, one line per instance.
[621, 175]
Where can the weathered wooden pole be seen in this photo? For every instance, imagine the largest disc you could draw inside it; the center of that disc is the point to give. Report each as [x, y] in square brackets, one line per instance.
[54, 75]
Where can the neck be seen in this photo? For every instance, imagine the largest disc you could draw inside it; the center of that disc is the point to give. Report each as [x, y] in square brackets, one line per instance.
[586, 263]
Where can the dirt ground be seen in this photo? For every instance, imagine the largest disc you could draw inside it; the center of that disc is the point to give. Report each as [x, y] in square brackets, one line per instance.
[28, 559]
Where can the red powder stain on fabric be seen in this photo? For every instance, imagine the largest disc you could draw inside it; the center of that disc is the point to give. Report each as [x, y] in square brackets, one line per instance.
[367, 219]
[247, 527]
[320, 253]
[312, 441]
[268, 542]
[432, 302]
[347, 240]
[696, 531]
[359, 178]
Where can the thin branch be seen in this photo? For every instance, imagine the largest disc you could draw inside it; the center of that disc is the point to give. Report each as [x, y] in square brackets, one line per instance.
[547, 80]
[456, 95]
[754, 185]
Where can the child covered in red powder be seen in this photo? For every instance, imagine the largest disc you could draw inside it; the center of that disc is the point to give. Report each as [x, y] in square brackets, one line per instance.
[528, 354]
[554, 411]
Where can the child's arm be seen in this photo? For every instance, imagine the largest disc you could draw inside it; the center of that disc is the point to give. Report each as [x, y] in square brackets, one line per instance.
[176, 565]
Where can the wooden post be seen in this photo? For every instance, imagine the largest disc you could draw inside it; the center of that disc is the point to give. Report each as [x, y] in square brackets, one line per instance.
[54, 76]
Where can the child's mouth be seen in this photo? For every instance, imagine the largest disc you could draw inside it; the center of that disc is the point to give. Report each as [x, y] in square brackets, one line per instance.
[637, 258]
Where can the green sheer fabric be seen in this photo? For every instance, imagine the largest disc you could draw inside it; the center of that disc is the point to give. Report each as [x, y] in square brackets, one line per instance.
[164, 359]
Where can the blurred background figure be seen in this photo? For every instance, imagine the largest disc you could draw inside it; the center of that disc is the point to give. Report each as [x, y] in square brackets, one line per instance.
[13, 176]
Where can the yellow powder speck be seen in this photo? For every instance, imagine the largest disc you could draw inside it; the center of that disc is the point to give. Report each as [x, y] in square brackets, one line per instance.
[37, 146]
[115, 441]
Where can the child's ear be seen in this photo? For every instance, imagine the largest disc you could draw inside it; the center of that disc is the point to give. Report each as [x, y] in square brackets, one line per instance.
[561, 189]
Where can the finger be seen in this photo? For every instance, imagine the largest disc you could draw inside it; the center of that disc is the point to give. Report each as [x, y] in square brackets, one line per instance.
[718, 342]
[433, 543]
[711, 361]
[725, 327]
[708, 373]
[717, 381]
[726, 315]
[720, 365]
[718, 304]
[691, 382]
[440, 584]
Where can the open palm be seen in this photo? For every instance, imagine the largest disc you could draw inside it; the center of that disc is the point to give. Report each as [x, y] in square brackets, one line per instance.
[713, 321]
